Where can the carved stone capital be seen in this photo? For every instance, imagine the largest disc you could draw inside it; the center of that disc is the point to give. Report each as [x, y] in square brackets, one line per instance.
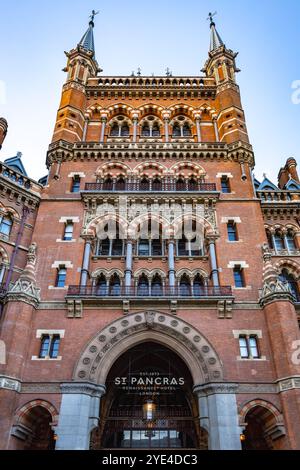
[24, 290]
[275, 290]
[78, 388]
[215, 389]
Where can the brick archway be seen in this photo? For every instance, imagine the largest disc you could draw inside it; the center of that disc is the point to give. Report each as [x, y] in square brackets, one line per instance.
[104, 349]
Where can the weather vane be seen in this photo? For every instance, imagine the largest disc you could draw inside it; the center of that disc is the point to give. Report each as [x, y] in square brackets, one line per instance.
[94, 13]
[211, 17]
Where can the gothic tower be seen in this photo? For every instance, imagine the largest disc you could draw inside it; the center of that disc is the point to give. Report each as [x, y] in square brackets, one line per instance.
[150, 258]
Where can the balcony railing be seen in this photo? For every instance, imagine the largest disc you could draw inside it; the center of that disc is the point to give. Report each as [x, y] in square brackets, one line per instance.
[155, 292]
[140, 187]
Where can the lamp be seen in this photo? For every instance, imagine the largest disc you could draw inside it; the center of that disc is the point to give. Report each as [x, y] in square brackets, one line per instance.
[149, 409]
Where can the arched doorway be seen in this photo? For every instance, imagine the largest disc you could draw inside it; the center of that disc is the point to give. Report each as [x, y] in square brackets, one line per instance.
[149, 403]
[262, 430]
[34, 427]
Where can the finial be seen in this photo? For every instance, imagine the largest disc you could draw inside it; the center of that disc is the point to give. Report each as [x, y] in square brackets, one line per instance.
[92, 16]
[139, 72]
[168, 72]
[210, 18]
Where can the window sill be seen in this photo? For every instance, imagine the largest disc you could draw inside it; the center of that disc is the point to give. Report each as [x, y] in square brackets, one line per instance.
[58, 288]
[248, 359]
[59, 240]
[242, 288]
[108, 258]
[36, 358]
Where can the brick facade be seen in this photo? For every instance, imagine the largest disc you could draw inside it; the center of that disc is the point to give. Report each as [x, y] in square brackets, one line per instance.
[166, 168]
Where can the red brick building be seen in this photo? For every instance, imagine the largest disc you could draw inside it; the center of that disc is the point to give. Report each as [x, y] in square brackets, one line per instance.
[149, 285]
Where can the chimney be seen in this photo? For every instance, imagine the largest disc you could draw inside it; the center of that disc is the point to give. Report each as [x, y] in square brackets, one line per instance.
[287, 173]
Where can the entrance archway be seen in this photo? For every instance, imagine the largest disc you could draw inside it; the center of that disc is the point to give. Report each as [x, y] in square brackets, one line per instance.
[149, 402]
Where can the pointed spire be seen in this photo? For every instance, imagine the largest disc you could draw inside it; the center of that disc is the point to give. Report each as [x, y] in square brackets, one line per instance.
[215, 38]
[87, 40]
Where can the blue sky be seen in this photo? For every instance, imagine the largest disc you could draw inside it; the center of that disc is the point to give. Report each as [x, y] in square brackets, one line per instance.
[153, 35]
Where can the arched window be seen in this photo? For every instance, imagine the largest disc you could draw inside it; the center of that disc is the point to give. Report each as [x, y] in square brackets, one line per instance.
[120, 184]
[155, 131]
[125, 130]
[108, 184]
[270, 240]
[193, 185]
[144, 247]
[156, 286]
[110, 246]
[279, 241]
[185, 286]
[115, 285]
[156, 184]
[145, 184]
[176, 130]
[180, 185]
[186, 130]
[285, 276]
[115, 130]
[143, 286]
[291, 241]
[198, 286]
[2, 270]
[101, 285]
[146, 130]
[5, 225]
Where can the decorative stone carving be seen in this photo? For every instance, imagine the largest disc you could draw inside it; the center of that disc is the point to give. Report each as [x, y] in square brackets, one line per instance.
[182, 333]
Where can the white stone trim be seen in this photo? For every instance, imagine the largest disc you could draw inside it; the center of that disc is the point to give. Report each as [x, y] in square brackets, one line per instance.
[235, 130]
[233, 264]
[238, 333]
[10, 383]
[60, 333]
[94, 123]
[232, 108]
[203, 124]
[47, 358]
[288, 383]
[67, 264]
[220, 175]
[58, 288]
[251, 359]
[63, 129]
[59, 240]
[236, 220]
[76, 173]
[65, 219]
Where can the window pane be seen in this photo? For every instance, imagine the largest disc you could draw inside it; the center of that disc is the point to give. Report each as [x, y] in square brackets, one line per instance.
[225, 185]
[61, 277]
[5, 226]
[238, 277]
[291, 242]
[253, 346]
[144, 248]
[68, 231]
[44, 351]
[54, 347]
[232, 233]
[76, 184]
[103, 249]
[244, 347]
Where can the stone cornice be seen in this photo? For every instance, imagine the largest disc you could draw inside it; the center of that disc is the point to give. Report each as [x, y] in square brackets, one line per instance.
[63, 151]
[215, 388]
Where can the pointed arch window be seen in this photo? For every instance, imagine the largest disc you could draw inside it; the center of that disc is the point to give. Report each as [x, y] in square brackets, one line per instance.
[108, 184]
[120, 184]
[143, 286]
[146, 130]
[115, 286]
[288, 278]
[185, 286]
[198, 286]
[145, 184]
[101, 285]
[115, 130]
[186, 130]
[290, 240]
[111, 246]
[157, 184]
[157, 286]
[176, 130]
[180, 185]
[279, 241]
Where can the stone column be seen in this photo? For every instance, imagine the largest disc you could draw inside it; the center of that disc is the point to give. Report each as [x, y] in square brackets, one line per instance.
[216, 128]
[103, 126]
[128, 267]
[79, 415]
[86, 262]
[171, 260]
[167, 121]
[198, 125]
[86, 121]
[135, 124]
[213, 260]
[219, 415]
